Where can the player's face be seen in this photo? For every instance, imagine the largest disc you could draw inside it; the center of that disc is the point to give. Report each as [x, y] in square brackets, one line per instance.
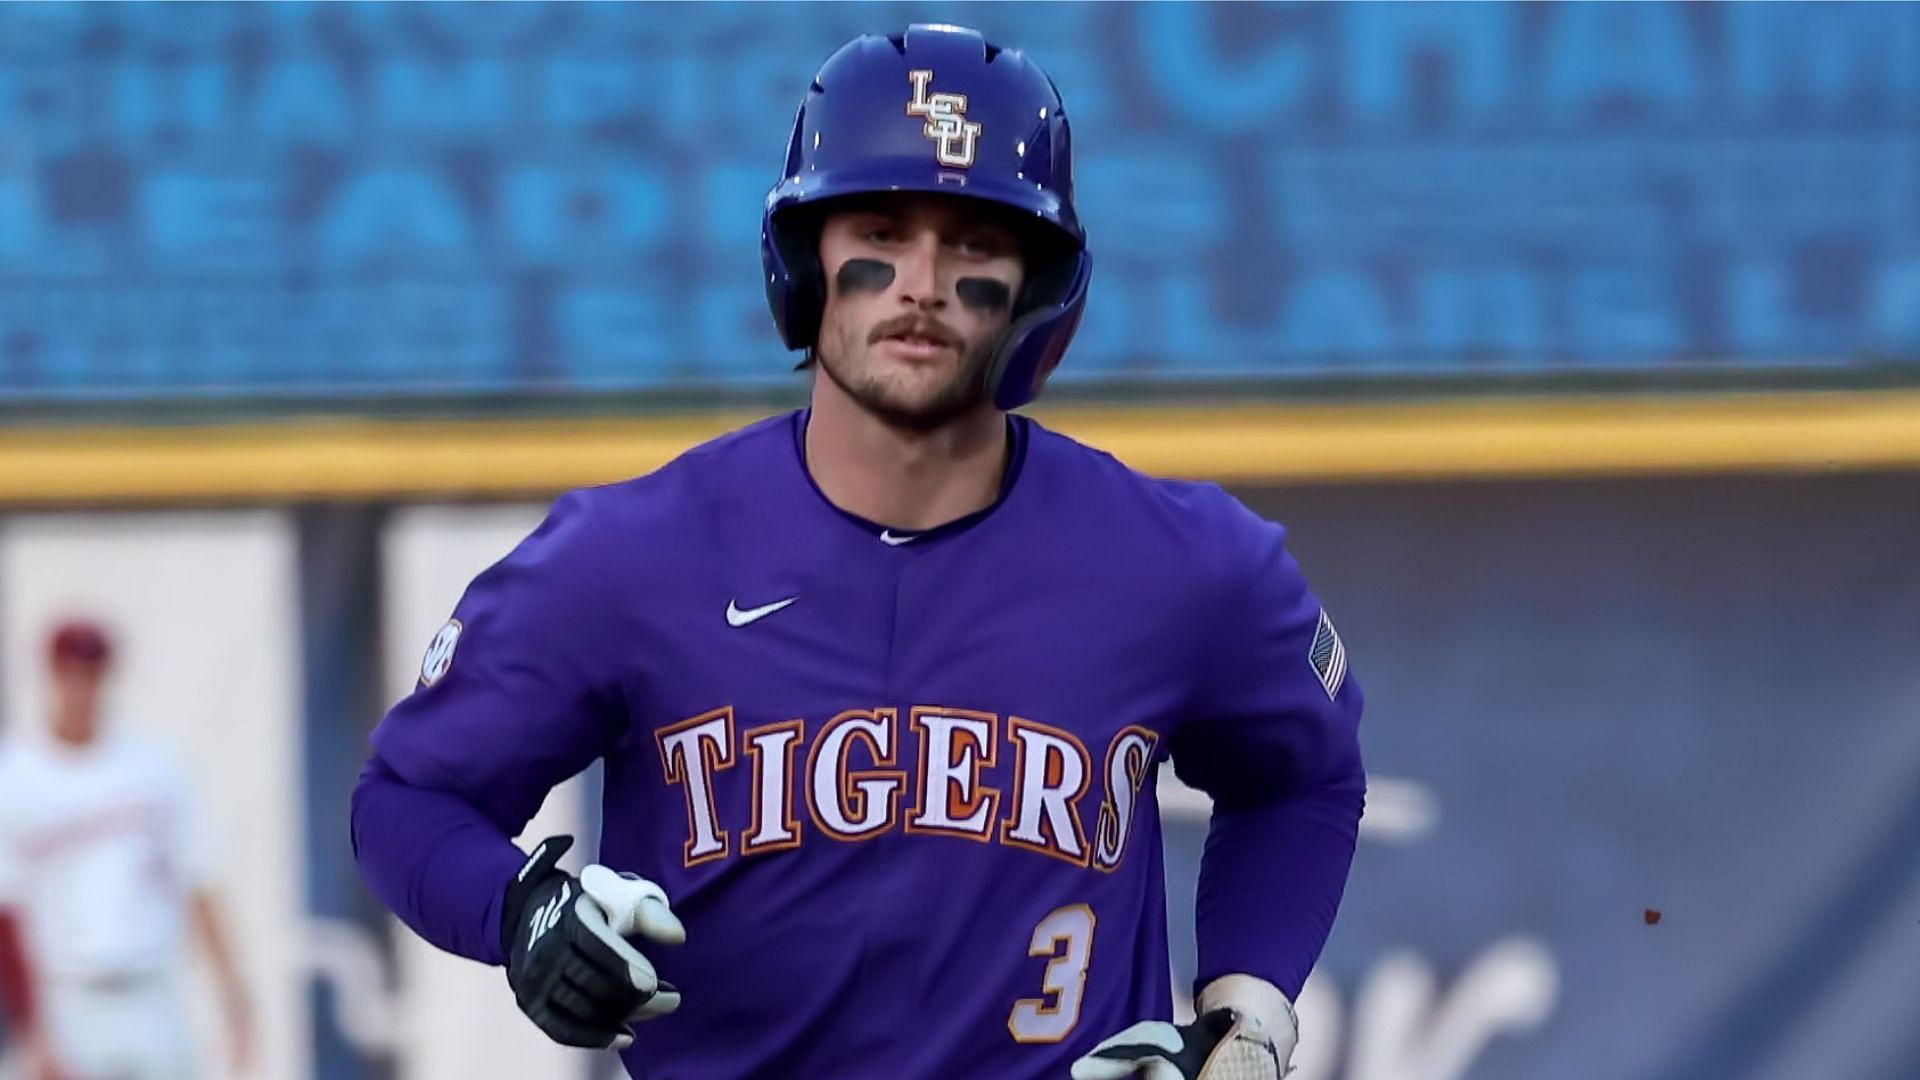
[920, 289]
[76, 696]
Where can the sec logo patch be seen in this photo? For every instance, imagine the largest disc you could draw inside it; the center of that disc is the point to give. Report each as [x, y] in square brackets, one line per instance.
[440, 654]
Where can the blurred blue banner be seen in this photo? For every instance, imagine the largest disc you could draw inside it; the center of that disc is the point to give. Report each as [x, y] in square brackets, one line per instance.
[401, 198]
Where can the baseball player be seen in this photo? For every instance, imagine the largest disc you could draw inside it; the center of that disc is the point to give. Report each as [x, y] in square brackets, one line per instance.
[102, 872]
[881, 685]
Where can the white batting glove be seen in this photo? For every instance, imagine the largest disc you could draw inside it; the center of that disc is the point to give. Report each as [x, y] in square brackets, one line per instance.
[1246, 1031]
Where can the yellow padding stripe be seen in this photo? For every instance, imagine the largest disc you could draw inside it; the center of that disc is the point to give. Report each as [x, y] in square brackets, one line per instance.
[338, 458]
[1521, 437]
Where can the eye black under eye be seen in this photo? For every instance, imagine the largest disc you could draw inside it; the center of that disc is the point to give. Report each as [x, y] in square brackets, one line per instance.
[984, 294]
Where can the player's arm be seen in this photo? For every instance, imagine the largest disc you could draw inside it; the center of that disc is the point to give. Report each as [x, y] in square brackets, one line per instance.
[1273, 737]
[16, 984]
[16, 979]
[19, 1000]
[210, 926]
[517, 695]
[191, 845]
[509, 703]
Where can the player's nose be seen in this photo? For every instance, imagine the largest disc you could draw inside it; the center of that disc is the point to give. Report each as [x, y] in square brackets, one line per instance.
[917, 274]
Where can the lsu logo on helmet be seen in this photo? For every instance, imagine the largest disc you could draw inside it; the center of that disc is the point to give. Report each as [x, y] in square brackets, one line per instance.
[954, 136]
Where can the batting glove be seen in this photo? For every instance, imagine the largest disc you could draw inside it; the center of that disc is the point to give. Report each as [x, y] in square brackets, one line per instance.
[571, 968]
[1246, 1031]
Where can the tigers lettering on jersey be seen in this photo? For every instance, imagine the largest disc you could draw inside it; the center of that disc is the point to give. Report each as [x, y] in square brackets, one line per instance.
[1129, 760]
[849, 783]
[691, 752]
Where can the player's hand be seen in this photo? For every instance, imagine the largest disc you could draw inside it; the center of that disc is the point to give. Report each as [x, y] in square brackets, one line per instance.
[1220, 1045]
[37, 1059]
[571, 968]
[239, 1036]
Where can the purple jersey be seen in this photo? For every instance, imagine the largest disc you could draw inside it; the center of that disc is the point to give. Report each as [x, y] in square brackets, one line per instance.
[899, 788]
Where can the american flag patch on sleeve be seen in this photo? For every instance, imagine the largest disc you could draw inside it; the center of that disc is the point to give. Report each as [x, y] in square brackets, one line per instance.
[1328, 655]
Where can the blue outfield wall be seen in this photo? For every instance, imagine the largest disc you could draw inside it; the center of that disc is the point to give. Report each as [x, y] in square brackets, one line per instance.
[312, 198]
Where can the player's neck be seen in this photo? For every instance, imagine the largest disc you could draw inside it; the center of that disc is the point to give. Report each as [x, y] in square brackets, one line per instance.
[904, 479]
[73, 739]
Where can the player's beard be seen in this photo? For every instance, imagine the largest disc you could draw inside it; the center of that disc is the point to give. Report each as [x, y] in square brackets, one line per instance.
[965, 393]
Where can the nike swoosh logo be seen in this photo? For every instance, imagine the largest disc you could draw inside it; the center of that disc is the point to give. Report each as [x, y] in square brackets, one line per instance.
[737, 616]
[887, 537]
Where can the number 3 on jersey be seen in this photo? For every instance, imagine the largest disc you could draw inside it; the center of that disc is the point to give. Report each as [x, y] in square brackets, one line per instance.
[1033, 1020]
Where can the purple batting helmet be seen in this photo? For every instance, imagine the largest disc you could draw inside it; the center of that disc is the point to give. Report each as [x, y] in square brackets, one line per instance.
[937, 109]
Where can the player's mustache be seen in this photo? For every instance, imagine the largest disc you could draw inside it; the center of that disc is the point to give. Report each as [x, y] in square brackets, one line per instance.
[919, 325]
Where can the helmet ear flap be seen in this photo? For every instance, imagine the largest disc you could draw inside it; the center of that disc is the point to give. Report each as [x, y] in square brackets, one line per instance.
[1038, 338]
[790, 254]
[796, 283]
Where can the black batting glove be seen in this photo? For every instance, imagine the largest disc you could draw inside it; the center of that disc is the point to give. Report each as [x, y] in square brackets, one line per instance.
[572, 970]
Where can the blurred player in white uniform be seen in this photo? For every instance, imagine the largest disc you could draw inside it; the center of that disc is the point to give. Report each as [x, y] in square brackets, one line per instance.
[103, 878]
